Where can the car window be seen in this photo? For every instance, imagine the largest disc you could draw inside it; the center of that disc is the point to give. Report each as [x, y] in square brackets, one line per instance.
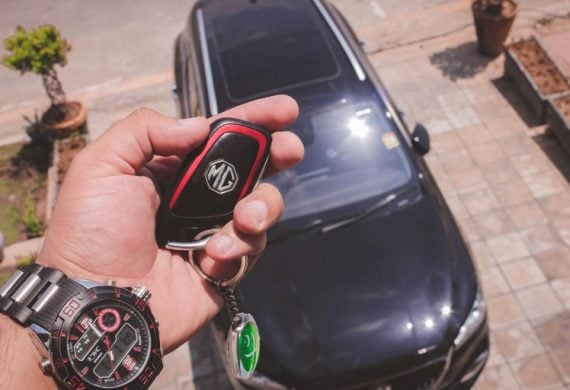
[269, 45]
[352, 152]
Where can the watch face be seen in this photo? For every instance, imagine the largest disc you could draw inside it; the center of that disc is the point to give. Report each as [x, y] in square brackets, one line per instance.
[110, 340]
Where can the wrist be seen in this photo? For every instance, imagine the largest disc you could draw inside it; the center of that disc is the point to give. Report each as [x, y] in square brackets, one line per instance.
[20, 358]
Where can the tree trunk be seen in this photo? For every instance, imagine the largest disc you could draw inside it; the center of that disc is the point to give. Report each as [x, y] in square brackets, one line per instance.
[53, 88]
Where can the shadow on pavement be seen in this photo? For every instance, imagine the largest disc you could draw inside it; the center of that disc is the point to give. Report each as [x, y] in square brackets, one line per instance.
[510, 93]
[460, 62]
[543, 137]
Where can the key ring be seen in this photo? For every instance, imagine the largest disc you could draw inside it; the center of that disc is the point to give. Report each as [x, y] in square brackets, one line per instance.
[200, 244]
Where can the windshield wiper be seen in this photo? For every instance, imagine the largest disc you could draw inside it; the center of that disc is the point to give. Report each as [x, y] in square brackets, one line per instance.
[330, 226]
[380, 204]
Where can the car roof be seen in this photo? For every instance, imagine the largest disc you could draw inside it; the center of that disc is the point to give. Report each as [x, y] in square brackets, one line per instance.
[258, 48]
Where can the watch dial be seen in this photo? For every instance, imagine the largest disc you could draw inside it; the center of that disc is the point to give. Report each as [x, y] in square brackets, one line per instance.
[108, 344]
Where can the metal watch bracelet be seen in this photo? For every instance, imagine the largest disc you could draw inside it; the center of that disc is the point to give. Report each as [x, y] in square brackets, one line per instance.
[35, 294]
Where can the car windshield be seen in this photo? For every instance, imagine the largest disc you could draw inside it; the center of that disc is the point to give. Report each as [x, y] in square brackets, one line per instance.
[352, 153]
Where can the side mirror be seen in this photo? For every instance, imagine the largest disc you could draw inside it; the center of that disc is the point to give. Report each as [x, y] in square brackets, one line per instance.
[420, 140]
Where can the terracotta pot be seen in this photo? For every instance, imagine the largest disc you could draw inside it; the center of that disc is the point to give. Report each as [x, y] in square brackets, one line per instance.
[493, 30]
[66, 128]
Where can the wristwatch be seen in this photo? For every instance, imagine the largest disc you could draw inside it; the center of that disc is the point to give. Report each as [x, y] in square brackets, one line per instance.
[91, 336]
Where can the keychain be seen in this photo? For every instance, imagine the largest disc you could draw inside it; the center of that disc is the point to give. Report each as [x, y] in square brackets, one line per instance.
[242, 341]
[201, 199]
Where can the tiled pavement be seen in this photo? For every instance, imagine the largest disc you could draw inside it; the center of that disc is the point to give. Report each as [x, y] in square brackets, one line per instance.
[505, 180]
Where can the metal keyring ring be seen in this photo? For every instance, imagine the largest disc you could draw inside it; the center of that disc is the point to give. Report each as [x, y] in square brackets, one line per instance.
[234, 280]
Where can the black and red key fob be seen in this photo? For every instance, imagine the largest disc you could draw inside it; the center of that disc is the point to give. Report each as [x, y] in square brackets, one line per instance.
[212, 179]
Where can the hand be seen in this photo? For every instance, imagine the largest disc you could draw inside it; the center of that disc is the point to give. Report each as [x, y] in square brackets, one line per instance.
[103, 225]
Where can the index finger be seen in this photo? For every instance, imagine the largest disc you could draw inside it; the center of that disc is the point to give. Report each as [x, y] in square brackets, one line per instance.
[274, 112]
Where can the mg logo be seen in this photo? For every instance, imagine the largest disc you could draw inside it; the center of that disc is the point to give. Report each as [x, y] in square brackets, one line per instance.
[221, 176]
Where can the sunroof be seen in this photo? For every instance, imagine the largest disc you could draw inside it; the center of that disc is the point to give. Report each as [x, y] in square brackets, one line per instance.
[263, 46]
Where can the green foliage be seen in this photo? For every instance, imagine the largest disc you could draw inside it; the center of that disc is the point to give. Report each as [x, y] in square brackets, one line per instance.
[32, 223]
[36, 50]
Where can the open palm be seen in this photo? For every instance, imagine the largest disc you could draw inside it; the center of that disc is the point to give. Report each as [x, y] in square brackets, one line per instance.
[103, 226]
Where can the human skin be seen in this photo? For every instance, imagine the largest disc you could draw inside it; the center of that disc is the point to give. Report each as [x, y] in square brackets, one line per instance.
[104, 221]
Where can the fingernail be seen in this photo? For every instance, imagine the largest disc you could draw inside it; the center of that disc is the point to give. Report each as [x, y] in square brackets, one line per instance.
[189, 121]
[223, 242]
[258, 211]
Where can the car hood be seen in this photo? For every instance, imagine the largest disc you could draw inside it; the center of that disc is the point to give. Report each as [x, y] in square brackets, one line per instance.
[360, 298]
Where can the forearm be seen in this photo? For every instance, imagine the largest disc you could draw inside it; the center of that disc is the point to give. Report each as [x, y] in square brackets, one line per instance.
[19, 359]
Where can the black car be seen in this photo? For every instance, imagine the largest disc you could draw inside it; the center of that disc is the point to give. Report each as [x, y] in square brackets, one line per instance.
[366, 281]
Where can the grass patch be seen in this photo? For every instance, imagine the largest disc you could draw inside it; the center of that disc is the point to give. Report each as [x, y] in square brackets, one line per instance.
[23, 176]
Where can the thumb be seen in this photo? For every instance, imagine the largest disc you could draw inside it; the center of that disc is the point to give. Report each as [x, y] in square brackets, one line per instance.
[133, 142]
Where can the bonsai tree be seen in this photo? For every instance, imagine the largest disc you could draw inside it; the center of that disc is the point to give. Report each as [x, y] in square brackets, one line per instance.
[38, 51]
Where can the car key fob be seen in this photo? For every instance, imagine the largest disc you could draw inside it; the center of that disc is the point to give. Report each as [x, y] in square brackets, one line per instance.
[211, 180]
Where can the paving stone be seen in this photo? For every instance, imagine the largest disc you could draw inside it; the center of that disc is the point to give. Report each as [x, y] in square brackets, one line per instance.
[504, 310]
[435, 124]
[456, 206]
[498, 171]
[561, 359]
[481, 93]
[531, 163]
[502, 129]
[482, 254]
[544, 184]
[556, 205]
[446, 142]
[468, 180]
[536, 372]
[469, 230]
[444, 183]
[553, 331]
[493, 281]
[517, 144]
[176, 364]
[462, 116]
[518, 341]
[562, 226]
[554, 263]
[526, 214]
[434, 163]
[538, 301]
[474, 135]
[491, 110]
[452, 100]
[497, 377]
[496, 357]
[562, 289]
[493, 224]
[486, 153]
[522, 273]
[540, 238]
[512, 192]
[479, 201]
[507, 247]
[459, 160]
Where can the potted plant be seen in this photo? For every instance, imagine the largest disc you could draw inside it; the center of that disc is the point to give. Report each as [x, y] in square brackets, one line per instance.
[39, 50]
[493, 21]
